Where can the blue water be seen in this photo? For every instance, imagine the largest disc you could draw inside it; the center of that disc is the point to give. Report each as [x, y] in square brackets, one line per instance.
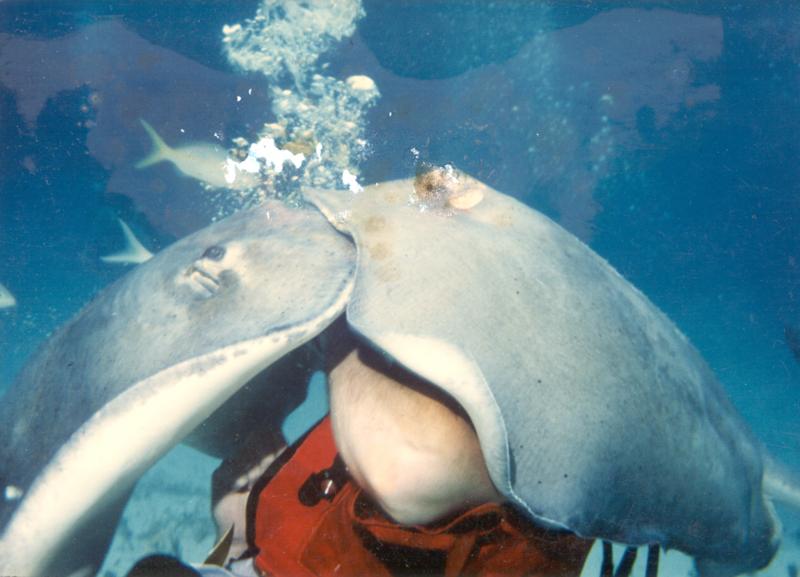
[664, 134]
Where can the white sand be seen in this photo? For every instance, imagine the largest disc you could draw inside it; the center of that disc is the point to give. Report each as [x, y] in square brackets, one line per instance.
[169, 512]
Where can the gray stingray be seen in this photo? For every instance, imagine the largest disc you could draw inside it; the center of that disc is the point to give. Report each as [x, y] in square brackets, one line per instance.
[146, 362]
[593, 411]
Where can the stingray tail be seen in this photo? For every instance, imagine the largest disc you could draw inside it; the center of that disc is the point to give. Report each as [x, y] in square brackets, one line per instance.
[160, 151]
[780, 483]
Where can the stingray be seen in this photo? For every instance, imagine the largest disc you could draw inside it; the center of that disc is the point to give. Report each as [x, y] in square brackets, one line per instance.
[147, 362]
[594, 413]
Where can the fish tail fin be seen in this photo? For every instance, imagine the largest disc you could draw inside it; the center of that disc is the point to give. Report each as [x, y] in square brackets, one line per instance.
[134, 251]
[160, 150]
[780, 483]
[7, 300]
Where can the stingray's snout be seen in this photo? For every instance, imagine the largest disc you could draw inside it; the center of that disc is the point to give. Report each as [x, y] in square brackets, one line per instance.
[205, 273]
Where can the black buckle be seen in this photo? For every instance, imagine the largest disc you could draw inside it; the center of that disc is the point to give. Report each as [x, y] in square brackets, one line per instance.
[323, 485]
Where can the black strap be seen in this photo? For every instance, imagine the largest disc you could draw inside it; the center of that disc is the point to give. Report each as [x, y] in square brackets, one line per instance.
[652, 561]
[626, 565]
[323, 484]
[161, 566]
[607, 567]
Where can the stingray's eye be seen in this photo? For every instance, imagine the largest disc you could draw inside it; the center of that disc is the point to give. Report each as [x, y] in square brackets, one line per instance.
[215, 252]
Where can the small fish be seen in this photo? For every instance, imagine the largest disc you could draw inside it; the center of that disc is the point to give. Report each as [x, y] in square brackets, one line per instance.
[7, 300]
[202, 161]
[134, 251]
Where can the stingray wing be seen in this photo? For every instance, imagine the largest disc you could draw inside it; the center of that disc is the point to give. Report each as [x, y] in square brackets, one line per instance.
[594, 412]
[148, 360]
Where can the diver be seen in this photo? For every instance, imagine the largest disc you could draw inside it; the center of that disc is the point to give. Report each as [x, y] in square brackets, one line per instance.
[391, 482]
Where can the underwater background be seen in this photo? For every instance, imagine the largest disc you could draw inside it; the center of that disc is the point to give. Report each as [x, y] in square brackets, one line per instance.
[663, 134]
